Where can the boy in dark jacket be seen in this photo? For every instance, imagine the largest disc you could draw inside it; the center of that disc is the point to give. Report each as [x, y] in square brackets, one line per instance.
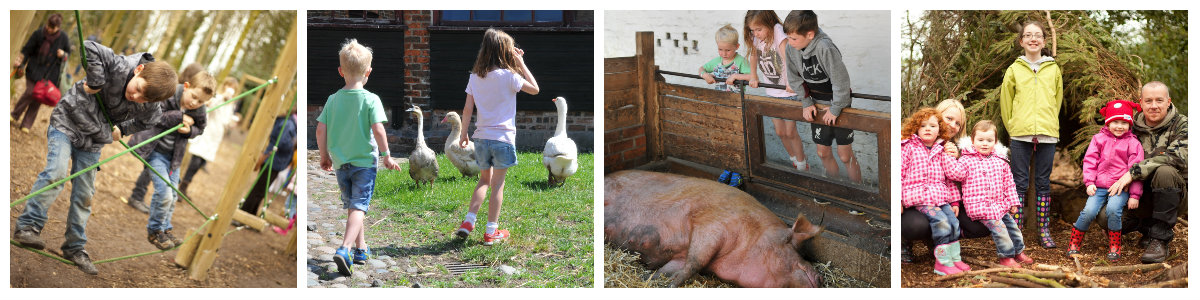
[818, 74]
[165, 155]
[131, 87]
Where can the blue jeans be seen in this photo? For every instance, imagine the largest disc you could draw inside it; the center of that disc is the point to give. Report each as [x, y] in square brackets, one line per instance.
[942, 223]
[62, 160]
[1006, 234]
[495, 154]
[162, 204]
[1114, 208]
[357, 184]
[1043, 159]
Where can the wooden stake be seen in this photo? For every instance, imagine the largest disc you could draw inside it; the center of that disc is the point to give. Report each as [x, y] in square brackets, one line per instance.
[649, 92]
[239, 182]
[1181, 282]
[183, 257]
[250, 220]
[200, 265]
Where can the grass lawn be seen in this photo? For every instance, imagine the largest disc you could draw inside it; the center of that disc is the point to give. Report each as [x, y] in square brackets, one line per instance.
[551, 228]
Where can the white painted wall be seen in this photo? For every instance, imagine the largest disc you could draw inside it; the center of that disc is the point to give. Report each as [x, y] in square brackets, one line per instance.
[864, 37]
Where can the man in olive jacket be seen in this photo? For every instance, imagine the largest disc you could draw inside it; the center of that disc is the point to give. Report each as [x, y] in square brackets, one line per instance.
[1163, 133]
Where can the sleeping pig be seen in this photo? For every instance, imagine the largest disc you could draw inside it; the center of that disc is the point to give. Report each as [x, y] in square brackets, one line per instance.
[683, 225]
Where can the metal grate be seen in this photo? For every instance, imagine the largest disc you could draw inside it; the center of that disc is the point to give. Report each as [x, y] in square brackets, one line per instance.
[459, 268]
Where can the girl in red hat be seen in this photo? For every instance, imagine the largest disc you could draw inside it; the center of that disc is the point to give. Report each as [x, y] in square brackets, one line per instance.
[1112, 151]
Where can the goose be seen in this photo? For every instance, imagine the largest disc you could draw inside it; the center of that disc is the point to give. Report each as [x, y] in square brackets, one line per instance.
[422, 163]
[461, 158]
[560, 155]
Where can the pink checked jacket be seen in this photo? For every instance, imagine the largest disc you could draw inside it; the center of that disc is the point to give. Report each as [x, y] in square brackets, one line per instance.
[1108, 157]
[925, 174]
[988, 187]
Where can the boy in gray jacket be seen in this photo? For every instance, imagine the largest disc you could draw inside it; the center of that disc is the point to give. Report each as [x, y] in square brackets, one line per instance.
[130, 87]
[817, 74]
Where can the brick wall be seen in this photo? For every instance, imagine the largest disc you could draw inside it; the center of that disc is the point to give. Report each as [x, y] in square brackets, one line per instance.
[624, 148]
[416, 56]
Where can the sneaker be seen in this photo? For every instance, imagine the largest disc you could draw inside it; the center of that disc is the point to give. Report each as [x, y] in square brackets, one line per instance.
[464, 229]
[1009, 262]
[361, 255]
[1024, 259]
[500, 234]
[172, 238]
[342, 259]
[724, 178]
[81, 259]
[138, 205]
[160, 240]
[735, 180]
[29, 237]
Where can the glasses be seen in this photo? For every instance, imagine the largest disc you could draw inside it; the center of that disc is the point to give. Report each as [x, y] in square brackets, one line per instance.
[1033, 36]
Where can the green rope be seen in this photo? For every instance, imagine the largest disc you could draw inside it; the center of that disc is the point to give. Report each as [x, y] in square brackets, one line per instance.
[43, 253]
[68, 262]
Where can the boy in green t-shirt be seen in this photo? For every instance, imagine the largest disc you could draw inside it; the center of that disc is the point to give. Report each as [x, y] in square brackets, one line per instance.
[730, 65]
[352, 123]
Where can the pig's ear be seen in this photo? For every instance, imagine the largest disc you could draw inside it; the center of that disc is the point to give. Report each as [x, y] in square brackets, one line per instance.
[803, 230]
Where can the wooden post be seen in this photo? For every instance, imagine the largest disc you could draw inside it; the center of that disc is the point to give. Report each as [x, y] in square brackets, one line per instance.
[243, 173]
[250, 220]
[291, 246]
[275, 219]
[649, 90]
[184, 256]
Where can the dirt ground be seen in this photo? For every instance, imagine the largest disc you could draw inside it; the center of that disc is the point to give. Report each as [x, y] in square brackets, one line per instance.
[247, 258]
[1094, 248]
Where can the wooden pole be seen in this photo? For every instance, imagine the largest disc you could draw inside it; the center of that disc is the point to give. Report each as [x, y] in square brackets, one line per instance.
[649, 91]
[240, 181]
[250, 220]
[183, 257]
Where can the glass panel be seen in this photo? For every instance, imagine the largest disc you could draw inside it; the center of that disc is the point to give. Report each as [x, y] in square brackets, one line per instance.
[456, 15]
[518, 15]
[486, 15]
[548, 16]
[864, 146]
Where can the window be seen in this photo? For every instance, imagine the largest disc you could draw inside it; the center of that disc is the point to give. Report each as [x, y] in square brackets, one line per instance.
[513, 18]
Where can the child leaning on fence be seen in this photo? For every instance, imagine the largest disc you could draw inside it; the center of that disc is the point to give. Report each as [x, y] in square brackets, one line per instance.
[729, 65]
[351, 139]
[131, 87]
[817, 73]
[165, 155]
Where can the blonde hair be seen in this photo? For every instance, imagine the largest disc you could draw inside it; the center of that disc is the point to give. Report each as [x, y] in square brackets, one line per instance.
[205, 83]
[983, 125]
[947, 104]
[496, 52]
[355, 59]
[727, 35]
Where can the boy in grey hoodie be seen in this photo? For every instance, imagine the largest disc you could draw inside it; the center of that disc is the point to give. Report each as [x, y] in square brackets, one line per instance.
[131, 87]
[817, 74]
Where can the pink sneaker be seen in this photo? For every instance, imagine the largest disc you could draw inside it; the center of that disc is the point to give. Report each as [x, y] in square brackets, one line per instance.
[464, 229]
[500, 234]
[1024, 259]
[1009, 262]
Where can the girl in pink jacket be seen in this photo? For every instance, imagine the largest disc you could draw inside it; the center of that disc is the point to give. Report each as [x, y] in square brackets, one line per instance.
[989, 194]
[926, 169]
[1112, 151]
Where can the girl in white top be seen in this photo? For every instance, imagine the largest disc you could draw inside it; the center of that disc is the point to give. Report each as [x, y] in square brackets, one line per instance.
[499, 73]
[763, 30]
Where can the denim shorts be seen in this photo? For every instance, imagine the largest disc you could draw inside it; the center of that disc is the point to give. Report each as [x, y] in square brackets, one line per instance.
[357, 184]
[495, 154]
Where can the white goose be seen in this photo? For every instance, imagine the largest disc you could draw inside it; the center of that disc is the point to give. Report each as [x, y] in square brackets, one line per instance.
[422, 163]
[560, 155]
[461, 158]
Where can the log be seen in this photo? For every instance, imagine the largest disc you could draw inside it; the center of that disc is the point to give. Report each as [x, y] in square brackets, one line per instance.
[1038, 280]
[1014, 282]
[995, 285]
[1126, 269]
[1182, 221]
[1045, 267]
[1172, 273]
[975, 261]
[250, 220]
[1181, 282]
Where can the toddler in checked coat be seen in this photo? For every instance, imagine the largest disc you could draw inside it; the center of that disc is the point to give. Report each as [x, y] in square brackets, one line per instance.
[989, 194]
